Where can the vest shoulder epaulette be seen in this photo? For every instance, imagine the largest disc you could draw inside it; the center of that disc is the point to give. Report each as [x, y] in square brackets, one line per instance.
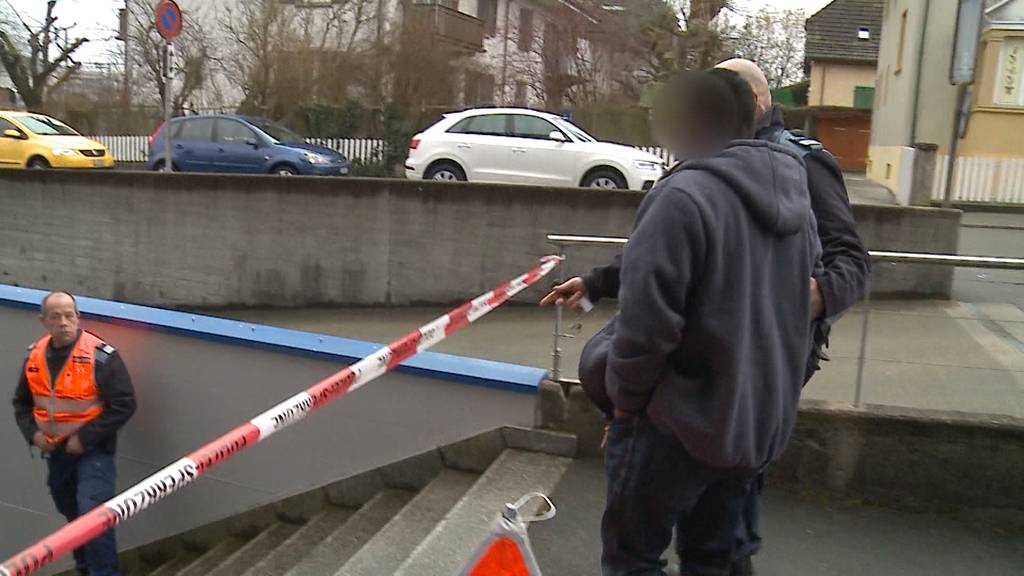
[104, 351]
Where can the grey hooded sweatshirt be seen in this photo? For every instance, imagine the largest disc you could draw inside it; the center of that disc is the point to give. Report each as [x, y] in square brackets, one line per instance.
[713, 331]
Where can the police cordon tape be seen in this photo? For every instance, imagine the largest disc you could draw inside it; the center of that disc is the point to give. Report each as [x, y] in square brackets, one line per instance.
[179, 474]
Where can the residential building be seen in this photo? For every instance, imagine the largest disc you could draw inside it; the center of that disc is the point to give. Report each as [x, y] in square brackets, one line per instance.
[502, 48]
[842, 53]
[915, 101]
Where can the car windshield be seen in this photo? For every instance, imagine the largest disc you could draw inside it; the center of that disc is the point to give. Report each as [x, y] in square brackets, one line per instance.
[279, 133]
[46, 126]
[577, 132]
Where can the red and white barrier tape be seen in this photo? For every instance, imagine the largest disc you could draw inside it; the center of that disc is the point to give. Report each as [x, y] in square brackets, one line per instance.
[177, 475]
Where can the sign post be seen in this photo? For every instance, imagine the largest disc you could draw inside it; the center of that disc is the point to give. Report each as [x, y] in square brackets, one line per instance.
[967, 33]
[168, 25]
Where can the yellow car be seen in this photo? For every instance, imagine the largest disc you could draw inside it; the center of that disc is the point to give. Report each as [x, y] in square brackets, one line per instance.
[30, 140]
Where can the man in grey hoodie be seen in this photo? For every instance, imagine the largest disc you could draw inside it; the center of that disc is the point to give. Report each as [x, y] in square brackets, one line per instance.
[708, 352]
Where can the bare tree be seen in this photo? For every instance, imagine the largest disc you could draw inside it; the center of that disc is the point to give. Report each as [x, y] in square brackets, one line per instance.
[281, 55]
[193, 55]
[561, 67]
[774, 40]
[39, 59]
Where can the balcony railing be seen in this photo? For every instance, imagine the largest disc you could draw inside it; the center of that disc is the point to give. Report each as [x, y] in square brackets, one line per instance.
[448, 25]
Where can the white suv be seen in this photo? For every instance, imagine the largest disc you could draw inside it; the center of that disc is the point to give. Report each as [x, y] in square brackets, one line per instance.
[522, 146]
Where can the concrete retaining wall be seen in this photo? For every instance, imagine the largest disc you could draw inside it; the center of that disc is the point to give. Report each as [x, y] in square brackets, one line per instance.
[218, 240]
[920, 460]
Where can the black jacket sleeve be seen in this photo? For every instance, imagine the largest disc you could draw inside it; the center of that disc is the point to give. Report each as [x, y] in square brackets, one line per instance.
[23, 406]
[603, 281]
[846, 262]
[118, 398]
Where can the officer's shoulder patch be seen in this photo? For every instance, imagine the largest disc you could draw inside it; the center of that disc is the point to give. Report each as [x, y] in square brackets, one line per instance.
[806, 142]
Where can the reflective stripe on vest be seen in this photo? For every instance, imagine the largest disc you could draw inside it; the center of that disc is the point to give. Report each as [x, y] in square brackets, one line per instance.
[64, 405]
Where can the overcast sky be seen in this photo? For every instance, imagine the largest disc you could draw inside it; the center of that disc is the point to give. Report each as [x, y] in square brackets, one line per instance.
[97, 19]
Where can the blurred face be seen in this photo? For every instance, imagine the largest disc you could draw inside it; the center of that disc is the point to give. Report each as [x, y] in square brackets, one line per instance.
[60, 318]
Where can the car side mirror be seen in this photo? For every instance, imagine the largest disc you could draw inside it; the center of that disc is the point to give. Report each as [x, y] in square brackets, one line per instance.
[252, 142]
[557, 136]
[12, 133]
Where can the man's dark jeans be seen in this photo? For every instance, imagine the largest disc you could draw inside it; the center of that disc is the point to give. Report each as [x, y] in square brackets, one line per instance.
[653, 485]
[78, 484]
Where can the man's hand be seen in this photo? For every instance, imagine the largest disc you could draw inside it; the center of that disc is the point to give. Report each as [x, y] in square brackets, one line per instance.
[569, 293]
[39, 440]
[74, 446]
[817, 302]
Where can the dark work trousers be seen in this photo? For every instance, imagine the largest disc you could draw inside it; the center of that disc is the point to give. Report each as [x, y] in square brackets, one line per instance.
[78, 484]
[653, 486]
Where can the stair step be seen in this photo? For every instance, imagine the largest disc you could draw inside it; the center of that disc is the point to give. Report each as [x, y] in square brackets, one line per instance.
[174, 565]
[255, 550]
[453, 541]
[344, 542]
[213, 557]
[298, 545]
[386, 551]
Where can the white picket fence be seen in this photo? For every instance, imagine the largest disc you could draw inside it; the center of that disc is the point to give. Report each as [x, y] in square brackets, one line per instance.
[979, 179]
[135, 148]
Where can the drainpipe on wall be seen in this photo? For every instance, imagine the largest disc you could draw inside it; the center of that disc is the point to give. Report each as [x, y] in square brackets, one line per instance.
[504, 56]
[917, 76]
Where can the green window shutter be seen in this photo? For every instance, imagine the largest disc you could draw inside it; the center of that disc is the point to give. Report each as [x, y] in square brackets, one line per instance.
[863, 96]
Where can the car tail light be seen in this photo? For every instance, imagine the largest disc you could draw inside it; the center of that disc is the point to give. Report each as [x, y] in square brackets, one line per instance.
[414, 143]
[155, 132]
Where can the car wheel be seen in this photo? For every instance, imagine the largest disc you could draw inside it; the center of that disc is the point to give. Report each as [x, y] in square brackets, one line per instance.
[285, 170]
[38, 163]
[607, 179]
[445, 172]
[159, 166]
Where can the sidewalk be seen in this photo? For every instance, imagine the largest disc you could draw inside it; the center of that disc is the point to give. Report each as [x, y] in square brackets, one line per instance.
[802, 537]
[864, 191]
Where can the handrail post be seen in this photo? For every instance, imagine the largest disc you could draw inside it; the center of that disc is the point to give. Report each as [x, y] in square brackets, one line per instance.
[556, 351]
[862, 359]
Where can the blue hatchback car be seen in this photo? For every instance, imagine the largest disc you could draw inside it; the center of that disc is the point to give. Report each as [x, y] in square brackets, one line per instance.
[235, 144]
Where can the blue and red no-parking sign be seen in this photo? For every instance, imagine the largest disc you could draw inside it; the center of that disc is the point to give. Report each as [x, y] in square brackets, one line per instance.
[168, 19]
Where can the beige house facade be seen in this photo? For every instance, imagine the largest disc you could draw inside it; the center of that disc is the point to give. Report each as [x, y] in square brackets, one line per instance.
[915, 101]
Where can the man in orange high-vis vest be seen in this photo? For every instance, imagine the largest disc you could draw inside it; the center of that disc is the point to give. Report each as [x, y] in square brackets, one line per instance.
[73, 396]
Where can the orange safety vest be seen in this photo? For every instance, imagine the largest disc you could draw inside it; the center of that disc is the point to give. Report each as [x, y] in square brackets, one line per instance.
[62, 408]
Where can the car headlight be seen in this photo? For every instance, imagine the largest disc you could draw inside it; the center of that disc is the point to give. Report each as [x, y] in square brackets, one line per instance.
[63, 151]
[647, 165]
[314, 158]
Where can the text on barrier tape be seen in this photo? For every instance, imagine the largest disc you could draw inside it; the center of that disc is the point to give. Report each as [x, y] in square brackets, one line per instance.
[184, 471]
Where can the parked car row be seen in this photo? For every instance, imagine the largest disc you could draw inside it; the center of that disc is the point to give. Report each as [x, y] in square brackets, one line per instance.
[501, 145]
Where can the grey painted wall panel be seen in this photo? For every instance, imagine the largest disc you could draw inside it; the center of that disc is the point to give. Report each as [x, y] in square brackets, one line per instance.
[192, 390]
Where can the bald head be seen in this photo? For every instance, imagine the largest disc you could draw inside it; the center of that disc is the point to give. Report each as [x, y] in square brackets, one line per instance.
[59, 315]
[755, 77]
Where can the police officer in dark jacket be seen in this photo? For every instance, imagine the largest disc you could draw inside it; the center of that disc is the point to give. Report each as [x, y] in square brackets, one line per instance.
[73, 396]
[842, 282]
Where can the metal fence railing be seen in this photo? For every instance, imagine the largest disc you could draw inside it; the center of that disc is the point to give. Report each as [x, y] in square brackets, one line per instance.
[563, 241]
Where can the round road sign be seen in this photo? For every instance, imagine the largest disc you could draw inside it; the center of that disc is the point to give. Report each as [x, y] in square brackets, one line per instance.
[168, 19]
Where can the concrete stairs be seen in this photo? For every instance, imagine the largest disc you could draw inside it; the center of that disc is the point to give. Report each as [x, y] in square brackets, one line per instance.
[423, 516]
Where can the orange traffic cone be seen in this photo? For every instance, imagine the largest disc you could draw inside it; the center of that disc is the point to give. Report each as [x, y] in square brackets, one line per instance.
[506, 550]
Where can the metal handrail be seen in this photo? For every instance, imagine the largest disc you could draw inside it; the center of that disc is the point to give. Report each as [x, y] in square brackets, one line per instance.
[955, 260]
[876, 255]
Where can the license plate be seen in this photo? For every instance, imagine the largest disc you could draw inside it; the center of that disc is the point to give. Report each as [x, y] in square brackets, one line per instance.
[97, 163]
